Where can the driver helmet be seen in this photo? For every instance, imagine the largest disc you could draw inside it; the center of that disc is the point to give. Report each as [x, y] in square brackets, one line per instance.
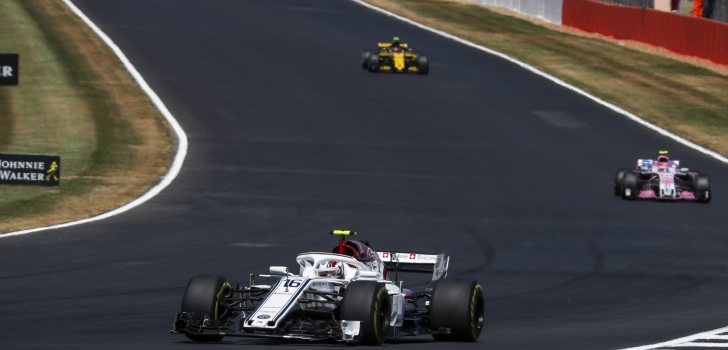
[662, 157]
[332, 270]
[395, 41]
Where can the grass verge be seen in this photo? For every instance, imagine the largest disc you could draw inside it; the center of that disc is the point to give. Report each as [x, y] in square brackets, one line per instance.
[687, 99]
[76, 100]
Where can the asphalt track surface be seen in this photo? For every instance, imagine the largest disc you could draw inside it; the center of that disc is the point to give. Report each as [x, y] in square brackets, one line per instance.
[508, 173]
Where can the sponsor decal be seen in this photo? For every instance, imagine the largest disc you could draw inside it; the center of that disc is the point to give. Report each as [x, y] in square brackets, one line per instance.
[9, 68]
[427, 258]
[26, 169]
[264, 316]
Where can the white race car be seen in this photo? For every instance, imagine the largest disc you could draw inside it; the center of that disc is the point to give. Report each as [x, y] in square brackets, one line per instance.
[346, 295]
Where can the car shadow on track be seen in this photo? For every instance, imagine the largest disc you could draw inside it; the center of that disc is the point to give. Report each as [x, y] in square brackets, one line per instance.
[302, 343]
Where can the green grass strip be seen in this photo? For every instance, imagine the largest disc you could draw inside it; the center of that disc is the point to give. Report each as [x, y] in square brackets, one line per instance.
[61, 107]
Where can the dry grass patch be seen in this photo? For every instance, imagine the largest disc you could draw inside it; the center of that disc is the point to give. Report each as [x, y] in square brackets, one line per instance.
[685, 98]
[75, 100]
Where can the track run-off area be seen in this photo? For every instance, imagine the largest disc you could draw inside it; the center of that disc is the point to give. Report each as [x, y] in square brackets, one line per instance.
[504, 170]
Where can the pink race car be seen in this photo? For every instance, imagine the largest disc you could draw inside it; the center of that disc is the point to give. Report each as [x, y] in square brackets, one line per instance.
[662, 179]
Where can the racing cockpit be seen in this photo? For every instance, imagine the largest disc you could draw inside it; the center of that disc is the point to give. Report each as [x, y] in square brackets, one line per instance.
[329, 265]
[662, 157]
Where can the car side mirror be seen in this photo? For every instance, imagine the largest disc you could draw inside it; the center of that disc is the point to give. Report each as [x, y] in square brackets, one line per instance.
[279, 270]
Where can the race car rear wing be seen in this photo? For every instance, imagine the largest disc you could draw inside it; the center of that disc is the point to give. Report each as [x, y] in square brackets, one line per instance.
[385, 45]
[436, 264]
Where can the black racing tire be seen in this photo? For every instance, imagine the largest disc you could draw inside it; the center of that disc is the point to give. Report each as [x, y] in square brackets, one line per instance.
[368, 302]
[457, 305]
[373, 64]
[423, 65]
[702, 189]
[618, 181]
[630, 182]
[202, 298]
[365, 60]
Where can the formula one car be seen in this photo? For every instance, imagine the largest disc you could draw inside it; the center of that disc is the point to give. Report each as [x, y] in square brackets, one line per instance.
[394, 56]
[345, 295]
[663, 179]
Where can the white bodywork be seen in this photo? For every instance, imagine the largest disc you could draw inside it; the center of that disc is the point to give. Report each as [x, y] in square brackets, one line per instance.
[326, 272]
[666, 174]
[332, 273]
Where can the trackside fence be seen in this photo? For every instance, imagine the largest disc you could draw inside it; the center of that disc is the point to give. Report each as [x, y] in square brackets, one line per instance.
[686, 35]
[715, 9]
[547, 10]
[638, 3]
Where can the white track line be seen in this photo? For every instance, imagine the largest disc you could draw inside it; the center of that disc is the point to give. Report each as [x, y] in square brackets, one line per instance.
[553, 79]
[689, 341]
[181, 136]
[597, 100]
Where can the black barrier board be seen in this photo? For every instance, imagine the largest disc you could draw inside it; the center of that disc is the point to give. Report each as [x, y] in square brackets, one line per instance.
[9, 68]
[27, 169]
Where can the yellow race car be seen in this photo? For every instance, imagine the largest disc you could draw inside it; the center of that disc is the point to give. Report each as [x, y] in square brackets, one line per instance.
[395, 56]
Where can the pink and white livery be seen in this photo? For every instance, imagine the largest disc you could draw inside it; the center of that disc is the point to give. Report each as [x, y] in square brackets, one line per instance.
[662, 179]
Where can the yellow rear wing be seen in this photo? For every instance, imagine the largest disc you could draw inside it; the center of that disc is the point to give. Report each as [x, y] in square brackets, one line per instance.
[386, 45]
